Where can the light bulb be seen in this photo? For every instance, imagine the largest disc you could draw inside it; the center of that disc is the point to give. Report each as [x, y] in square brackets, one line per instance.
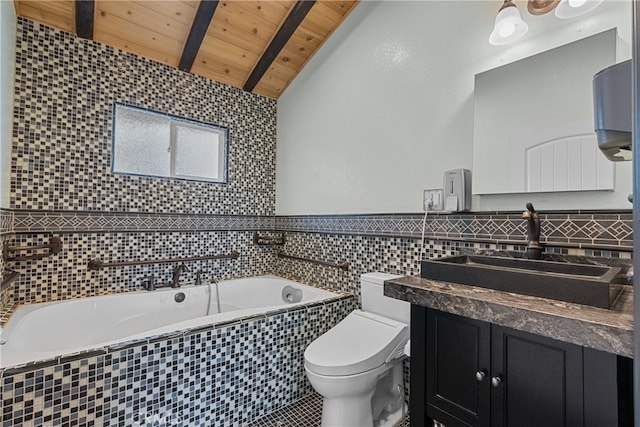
[568, 9]
[506, 30]
[508, 26]
[577, 3]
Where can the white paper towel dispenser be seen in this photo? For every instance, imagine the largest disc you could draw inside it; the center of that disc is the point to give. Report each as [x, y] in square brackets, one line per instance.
[612, 107]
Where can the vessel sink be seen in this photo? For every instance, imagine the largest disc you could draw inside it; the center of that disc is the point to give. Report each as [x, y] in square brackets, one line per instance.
[577, 283]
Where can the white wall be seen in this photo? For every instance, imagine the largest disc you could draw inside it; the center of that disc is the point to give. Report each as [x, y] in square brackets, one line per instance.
[386, 106]
[7, 64]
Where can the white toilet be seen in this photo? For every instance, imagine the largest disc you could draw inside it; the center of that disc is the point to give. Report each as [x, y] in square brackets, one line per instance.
[357, 365]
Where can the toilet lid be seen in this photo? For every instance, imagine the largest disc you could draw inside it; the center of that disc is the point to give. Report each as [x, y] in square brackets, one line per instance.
[360, 342]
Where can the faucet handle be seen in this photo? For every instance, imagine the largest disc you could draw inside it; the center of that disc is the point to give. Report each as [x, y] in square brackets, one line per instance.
[199, 277]
[180, 268]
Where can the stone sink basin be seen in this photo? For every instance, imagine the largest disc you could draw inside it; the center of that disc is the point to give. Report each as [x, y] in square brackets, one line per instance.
[577, 283]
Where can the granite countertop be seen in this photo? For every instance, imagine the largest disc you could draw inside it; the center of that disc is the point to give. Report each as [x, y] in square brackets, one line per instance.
[601, 329]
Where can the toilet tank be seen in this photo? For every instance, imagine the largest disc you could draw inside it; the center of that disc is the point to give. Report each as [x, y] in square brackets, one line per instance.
[374, 300]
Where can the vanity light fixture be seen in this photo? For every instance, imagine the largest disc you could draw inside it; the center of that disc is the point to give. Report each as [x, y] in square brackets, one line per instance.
[571, 8]
[509, 25]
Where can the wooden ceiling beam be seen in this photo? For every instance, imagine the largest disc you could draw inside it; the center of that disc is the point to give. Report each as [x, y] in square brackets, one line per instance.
[201, 23]
[290, 25]
[84, 18]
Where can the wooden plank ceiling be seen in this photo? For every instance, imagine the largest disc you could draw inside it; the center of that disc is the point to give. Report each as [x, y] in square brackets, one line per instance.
[259, 46]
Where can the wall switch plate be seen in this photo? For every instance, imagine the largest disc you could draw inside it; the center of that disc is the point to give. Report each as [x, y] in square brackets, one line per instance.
[433, 200]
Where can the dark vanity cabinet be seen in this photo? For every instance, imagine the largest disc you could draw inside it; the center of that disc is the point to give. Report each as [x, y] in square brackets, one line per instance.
[466, 372]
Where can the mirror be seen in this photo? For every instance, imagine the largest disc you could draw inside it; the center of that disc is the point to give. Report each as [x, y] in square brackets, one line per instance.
[533, 122]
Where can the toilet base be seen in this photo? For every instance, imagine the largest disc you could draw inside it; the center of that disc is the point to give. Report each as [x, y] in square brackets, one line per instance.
[347, 411]
[374, 399]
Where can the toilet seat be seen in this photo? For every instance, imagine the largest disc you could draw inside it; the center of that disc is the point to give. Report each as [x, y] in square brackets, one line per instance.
[360, 342]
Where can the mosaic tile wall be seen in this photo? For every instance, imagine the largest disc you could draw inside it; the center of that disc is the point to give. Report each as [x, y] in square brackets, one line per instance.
[221, 377]
[368, 243]
[392, 244]
[65, 90]
[61, 180]
[66, 275]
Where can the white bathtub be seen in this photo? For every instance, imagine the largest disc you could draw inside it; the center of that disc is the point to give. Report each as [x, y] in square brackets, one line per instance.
[48, 330]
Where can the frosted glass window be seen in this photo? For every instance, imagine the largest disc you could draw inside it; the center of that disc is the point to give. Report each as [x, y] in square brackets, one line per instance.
[143, 143]
[199, 152]
[154, 144]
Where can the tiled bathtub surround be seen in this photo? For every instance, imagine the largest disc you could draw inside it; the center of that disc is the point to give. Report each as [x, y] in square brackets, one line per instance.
[223, 377]
[61, 180]
[65, 90]
[66, 275]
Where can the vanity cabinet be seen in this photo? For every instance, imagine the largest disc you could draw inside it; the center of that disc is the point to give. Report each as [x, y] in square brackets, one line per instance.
[466, 372]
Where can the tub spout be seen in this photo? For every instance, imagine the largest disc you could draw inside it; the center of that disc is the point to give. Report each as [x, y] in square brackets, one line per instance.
[148, 283]
[175, 282]
[534, 249]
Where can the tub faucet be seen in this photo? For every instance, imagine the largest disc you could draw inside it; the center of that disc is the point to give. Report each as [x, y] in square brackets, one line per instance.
[175, 282]
[149, 283]
[534, 249]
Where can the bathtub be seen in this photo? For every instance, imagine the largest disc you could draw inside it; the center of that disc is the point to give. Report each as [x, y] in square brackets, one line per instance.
[49, 330]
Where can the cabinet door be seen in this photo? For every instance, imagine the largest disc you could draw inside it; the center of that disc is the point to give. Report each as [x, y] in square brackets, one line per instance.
[536, 381]
[458, 386]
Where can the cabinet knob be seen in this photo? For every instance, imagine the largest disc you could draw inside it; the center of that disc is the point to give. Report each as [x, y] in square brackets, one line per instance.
[496, 381]
[480, 375]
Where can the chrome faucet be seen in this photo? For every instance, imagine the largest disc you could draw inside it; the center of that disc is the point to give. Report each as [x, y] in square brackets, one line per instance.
[534, 249]
[175, 282]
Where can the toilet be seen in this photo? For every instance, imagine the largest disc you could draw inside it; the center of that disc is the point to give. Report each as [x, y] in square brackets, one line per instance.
[357, 365]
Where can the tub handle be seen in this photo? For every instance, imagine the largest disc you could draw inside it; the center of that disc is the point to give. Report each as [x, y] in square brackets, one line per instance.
[97, 264]
[54, 246]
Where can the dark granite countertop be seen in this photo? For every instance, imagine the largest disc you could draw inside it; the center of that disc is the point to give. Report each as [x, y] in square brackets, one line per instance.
[607, 330]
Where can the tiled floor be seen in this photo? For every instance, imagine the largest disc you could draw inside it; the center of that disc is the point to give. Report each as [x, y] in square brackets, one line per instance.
[306, 412]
